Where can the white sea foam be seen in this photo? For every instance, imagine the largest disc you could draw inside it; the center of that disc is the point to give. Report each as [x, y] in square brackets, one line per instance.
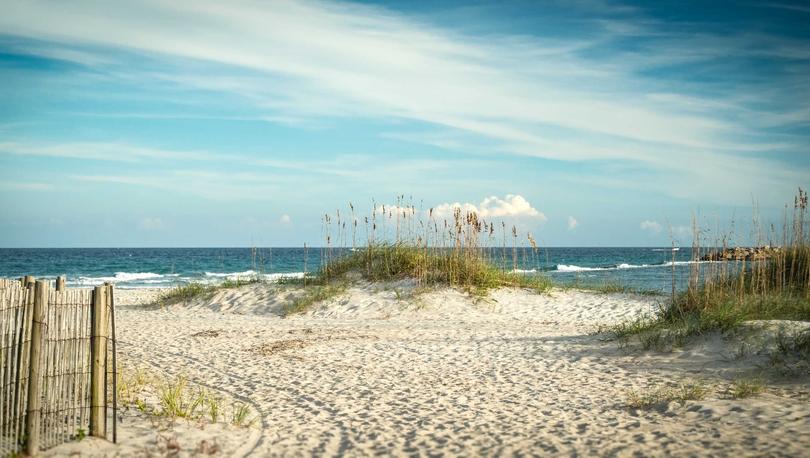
[129, 276]
[283, 275]
[124, 277]
[231, 275]
[217, 276]
[573, 268]
[686, 263]
[151, 280]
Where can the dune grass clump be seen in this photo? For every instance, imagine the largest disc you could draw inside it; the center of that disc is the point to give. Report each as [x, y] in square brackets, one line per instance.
[312, 294]
[792, 353]
[722, 295]
[743, 388]
[239, 415]
[660, 397]
[460, 250]
[196, 290]
[437, 266]
[794, 344]
[130, 384]
[176, 398]
[774, 287]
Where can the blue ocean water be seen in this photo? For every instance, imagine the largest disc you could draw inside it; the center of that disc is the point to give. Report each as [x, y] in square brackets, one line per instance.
[642, 268]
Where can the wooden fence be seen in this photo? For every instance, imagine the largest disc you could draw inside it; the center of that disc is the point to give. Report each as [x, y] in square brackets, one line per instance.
[57, 349]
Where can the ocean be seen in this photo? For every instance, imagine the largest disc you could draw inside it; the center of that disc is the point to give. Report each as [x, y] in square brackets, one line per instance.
[639, 268]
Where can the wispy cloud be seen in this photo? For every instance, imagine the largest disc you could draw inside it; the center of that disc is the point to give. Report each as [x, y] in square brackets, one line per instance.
[524, 95]
[26, 186]
[104, 151]
[215, 186]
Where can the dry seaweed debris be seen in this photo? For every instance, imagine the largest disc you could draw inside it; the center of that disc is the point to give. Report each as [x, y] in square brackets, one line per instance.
[271, 348]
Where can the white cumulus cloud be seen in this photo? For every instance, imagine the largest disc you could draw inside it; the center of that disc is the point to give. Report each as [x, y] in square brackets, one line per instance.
[511, 206]
[652, 226]
[572, 223]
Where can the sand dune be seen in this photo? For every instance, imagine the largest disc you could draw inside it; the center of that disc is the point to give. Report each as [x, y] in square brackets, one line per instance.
[378, 370]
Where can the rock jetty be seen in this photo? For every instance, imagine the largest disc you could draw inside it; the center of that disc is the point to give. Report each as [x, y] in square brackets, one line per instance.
[741, 254]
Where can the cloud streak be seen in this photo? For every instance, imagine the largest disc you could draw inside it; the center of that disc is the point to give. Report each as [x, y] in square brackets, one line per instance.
[528, 96]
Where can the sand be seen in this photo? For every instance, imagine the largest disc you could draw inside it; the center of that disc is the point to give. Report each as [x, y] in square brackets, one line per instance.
[380, 370]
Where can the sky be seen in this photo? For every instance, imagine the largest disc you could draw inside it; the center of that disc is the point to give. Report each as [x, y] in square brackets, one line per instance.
[240, 123]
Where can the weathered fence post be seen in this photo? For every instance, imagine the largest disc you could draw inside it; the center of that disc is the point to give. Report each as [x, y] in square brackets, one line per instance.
[27, 280]
[60, 283]
[33, 414]
[111, 303]
[98, 404]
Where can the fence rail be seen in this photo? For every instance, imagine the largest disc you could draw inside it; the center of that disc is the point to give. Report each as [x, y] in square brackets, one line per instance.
[54, 364]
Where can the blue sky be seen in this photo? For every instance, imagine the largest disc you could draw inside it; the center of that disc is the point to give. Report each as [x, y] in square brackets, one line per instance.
[239, 123]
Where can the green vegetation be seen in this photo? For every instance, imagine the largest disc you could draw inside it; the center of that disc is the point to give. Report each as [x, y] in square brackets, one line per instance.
[792, 353]
[745, 388]
[312, 294]
[428, 267]
[176, 398]
[458, 268]
[460, 251]
[80, 435]
[240, 414]
[660, 397]
[177, 402]
[673, 326]
[796, 344]
[724, 294]
[130, 383]
[196, 290]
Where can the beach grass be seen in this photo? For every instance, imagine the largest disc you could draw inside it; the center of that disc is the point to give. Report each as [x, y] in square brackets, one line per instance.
[196, 290]
[792, 353]
[313, 294]
[455, 268]
[176, 397]
[743, 388]
[661, 396]
[394, 262]
[726, 294]
[460, 250]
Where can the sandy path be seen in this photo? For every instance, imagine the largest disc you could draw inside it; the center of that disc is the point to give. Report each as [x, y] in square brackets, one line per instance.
[370, 374]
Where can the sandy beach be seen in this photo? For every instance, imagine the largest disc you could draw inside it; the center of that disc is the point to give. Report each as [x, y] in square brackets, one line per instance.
[423, 229]
[379, 370]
